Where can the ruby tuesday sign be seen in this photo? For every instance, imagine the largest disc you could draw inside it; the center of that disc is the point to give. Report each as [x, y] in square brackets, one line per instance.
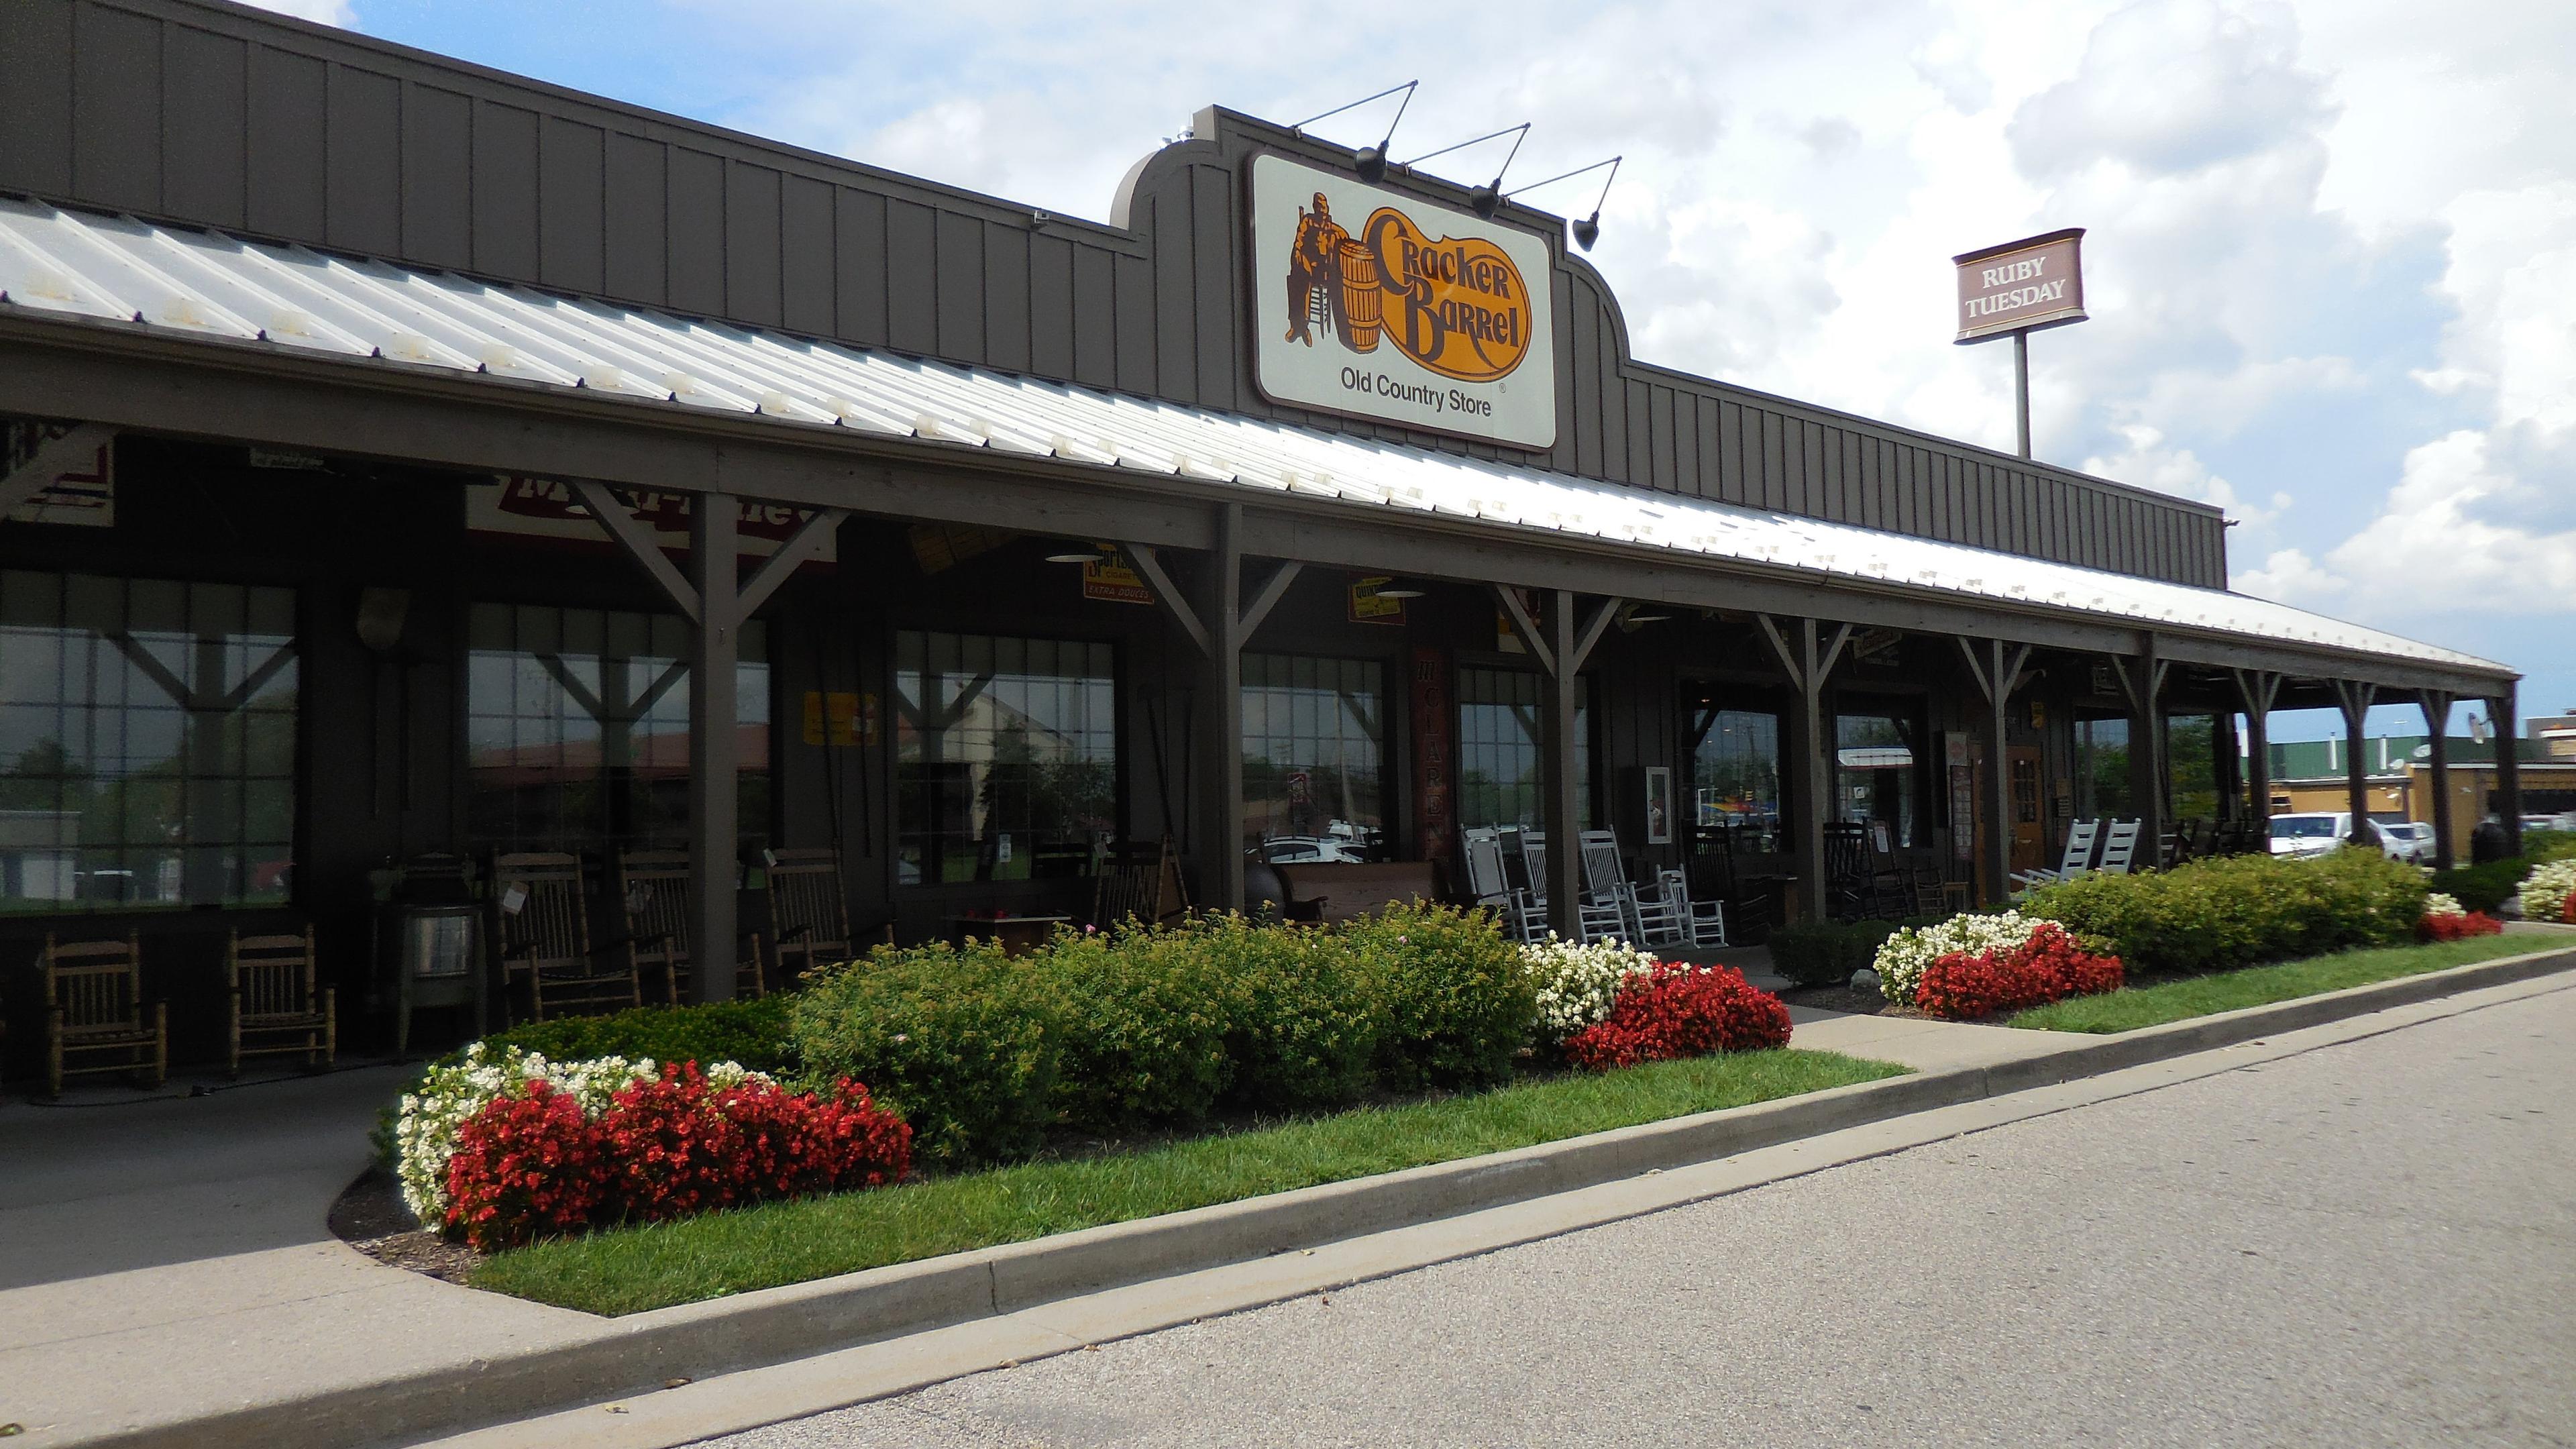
[1379, 305]
[2021, 286]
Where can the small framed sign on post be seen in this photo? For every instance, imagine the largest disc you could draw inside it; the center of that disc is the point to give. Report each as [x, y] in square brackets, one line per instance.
[2016, 289]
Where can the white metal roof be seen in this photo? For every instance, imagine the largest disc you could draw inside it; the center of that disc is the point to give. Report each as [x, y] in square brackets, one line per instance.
[296, 299]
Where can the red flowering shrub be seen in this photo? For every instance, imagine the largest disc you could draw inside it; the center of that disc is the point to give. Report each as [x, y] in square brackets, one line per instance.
[2460, 927]
[2049, 967]
[525, 1167]
[533, 1166]
[1677, 1011]
[671, 1150]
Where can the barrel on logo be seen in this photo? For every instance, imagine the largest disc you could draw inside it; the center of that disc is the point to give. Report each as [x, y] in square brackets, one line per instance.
[1359, 297]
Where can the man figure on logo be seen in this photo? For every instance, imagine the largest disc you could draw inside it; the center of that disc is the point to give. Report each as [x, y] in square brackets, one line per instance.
[1315, 260]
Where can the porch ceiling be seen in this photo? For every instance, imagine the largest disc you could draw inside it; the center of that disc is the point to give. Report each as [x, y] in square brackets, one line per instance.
[1324, 497]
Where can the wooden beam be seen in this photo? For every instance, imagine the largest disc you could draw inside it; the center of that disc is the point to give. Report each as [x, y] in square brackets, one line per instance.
[1591, 632]
[808, 540]
[714, 752]
[1267, 597]
[640, 545]
[1532, 637]
[1170, 597]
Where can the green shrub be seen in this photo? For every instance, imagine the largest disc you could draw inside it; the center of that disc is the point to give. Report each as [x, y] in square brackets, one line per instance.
[966, 1044]
[2483, 887]
[1145, 1019]
[752, 1032]
[1454, 1004]
[1826, 953]
[1302, 1027]
[2212, 915]
[2540, 847]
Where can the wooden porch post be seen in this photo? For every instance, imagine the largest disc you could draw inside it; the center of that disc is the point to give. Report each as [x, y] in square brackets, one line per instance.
[1997, 667]
[714, 766]
[1220, 635]
[2436, 705]
[2355, 699]
[1808, 659]
[1560, 644]
[715, 607]
[2508, 763]
[2142, 680]
[2257, 689]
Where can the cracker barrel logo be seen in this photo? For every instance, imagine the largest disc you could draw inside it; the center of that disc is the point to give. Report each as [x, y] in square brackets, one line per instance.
[1455, 305]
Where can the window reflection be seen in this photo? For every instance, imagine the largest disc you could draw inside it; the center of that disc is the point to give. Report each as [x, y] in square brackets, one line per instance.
[1005, 758]
[1878, 772]
[147, 742]
[1735, 775]
[577, 729]
[1499, 781]
[1314, 733]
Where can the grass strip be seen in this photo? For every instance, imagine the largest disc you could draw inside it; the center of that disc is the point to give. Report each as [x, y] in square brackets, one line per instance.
[2133, 1007]
[630, 1270]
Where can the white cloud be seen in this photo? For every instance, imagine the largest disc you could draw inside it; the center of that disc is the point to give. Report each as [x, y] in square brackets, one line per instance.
[2289, 576]
[321, 12]
[2149, 462]
[2438, 543]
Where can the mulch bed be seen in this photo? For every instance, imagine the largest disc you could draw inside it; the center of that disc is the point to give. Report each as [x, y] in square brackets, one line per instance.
[1855, 1000]
[370, 1216]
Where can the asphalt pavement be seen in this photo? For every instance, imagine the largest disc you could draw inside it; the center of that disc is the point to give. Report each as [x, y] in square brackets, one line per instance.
[2369, 1244]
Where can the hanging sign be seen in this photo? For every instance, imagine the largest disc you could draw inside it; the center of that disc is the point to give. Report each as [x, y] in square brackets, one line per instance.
[83, 494]
[1110, 578]
[2021, 286]
[1369, 607]
[549, 508]
[1377, 305]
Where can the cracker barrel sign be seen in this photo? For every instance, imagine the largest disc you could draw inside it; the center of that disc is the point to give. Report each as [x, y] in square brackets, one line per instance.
[1382, 306]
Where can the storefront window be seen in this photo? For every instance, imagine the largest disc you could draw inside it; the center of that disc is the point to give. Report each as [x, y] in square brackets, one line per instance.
[1498, 748]
[1878, 774]
[577, 729]
[1006, 758]
[2102, 769]
[1314, 733]
[2191, 753]
[147, 742]
[1735, 775]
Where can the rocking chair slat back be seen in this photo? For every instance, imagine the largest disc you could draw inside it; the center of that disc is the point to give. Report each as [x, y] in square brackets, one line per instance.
[274, 974]
[809, 910]
[549, 928]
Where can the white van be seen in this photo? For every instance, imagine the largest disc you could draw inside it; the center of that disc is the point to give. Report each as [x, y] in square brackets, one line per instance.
[2316, 832]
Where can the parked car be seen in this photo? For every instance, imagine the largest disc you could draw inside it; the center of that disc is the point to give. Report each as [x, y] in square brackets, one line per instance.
[2407, 840]
[2316, 832]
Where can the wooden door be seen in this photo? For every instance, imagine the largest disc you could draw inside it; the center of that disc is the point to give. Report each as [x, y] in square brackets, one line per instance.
[2029, 839]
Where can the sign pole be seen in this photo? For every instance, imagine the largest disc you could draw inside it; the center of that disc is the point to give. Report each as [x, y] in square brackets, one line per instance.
[2017, 289]
[2021, 387]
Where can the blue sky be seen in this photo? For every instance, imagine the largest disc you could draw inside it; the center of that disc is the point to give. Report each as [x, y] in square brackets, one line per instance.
[2331, 260]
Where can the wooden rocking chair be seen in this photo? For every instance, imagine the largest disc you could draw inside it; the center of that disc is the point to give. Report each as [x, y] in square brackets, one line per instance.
[809, 909]
[653, 887]
[279, 1006]
[1142, 881]
[94, 1007]
[541, 930]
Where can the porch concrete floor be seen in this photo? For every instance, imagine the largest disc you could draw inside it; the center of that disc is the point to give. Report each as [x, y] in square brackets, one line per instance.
[165, 1257]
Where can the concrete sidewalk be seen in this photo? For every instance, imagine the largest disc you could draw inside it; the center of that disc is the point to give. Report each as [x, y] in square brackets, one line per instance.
[167, 1257]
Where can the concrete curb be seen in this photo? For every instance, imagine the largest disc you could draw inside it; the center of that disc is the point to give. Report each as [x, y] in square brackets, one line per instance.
[702, 1340]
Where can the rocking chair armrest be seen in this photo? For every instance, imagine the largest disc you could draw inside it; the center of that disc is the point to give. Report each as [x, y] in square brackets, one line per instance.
[794, 933]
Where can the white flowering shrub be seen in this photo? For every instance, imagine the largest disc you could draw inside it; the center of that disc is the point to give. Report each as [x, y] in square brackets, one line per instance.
[1902, 957]
[2438, 904]
[1577, 984]
[2545, 890]
[425, 1131]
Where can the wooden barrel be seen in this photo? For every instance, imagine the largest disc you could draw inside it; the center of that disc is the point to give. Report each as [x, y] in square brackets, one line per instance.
[1360, 297]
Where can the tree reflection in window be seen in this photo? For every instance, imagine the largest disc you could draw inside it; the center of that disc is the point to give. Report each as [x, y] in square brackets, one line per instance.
[1005, 757]
[147, 742]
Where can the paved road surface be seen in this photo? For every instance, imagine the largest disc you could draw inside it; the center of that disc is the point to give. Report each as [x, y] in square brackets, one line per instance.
[2371, 1244]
